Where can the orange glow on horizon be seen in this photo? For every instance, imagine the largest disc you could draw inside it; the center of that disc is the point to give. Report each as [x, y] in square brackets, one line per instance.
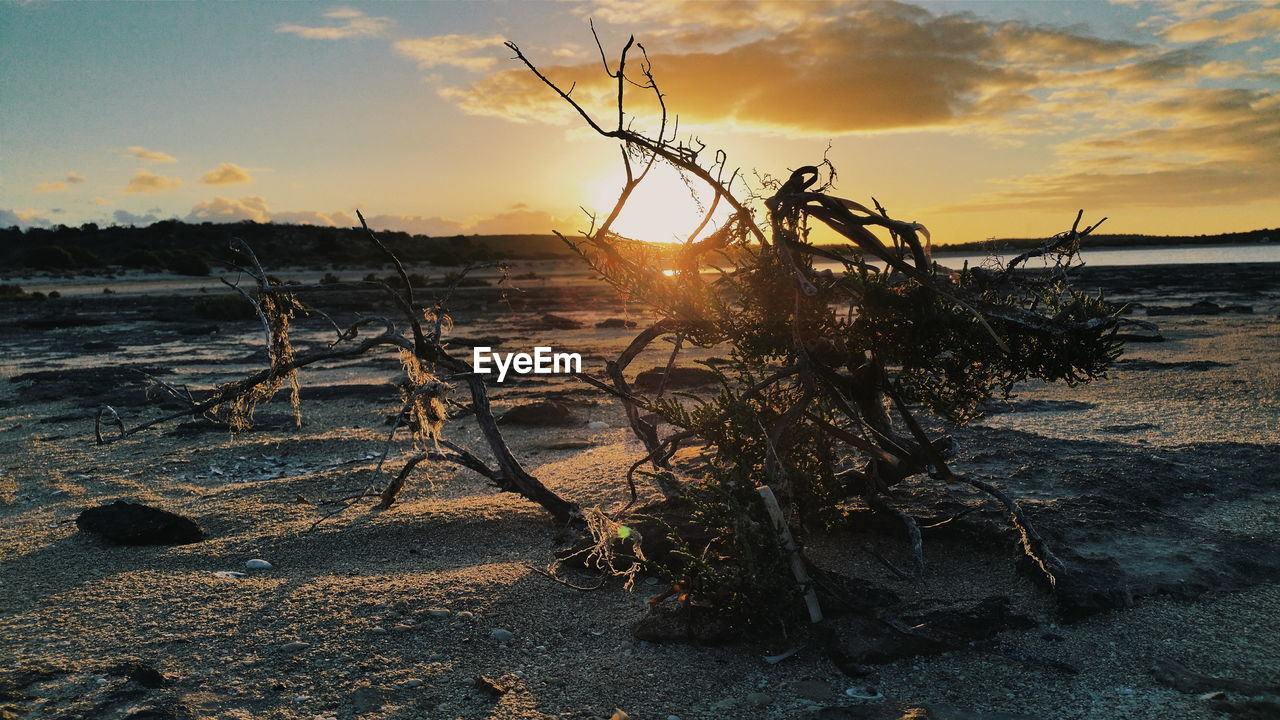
[663, 208]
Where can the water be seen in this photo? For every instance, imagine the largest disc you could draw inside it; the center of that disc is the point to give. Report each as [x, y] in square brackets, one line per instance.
[1154, 255]
[560, 272]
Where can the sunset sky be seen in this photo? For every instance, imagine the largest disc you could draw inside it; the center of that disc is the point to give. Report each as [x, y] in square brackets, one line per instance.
[975, 118]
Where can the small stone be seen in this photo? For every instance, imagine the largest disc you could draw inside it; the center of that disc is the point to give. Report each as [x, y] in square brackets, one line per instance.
[379, 629]
[673, 717]
[230, 574]
[258, 564]
[402, 627]
[413, 683]
[438, 613]
[651, 581]
[466, 615]
[295, 646]
[502, 636]
[597, 425]
[758, 700]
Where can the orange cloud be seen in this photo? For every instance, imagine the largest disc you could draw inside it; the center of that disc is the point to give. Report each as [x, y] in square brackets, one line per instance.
[451, 50]
[152, 155]
[875, 66]
[226, 174]
[354, 24]
[149, 183]
[49, 187]
[1260, 22]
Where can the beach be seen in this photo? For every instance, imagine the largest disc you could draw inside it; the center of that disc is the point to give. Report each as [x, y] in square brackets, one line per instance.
[1161, 480]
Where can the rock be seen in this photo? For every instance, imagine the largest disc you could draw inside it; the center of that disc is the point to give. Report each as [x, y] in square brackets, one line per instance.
[413, 683]
[258, 564]
[676, 624]
[502, 636]
[378, 629]
[560, 323]
[680, 377]
[616, 323]
[230, 574]
[862, 641]
[757, 700]
[438, 613]
[540, 414]
[126, 523]
[144, 675]
[295, 646]
[812, 689]
[1203, 307]
[597, 425]
[466, 615]
[619, 714]
[570, 445]
[488, 686]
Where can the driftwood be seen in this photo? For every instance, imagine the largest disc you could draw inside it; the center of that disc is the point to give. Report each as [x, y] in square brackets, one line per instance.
[857, 402]
[273, 305]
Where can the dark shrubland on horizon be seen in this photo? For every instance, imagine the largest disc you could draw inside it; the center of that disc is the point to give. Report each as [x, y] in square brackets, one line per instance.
[192, 248]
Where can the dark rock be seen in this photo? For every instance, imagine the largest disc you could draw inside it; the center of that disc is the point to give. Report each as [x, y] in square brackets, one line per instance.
[998, 407]
[1203, 307]
[560, 323]
[128, 523]
[142, 674]
[1122, 429]
[681, 624]
[101, 346]
[862, 641]
[1193, 365]
[680, 377]
[540, 414]
[489, 686]
[616, 323]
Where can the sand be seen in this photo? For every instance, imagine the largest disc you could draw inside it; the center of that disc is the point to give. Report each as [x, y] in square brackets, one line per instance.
[391, 614]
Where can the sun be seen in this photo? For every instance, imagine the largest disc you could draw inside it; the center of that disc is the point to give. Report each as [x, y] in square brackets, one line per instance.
[664, 208]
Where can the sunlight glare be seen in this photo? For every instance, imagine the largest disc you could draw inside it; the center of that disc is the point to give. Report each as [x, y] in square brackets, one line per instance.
[660, 209]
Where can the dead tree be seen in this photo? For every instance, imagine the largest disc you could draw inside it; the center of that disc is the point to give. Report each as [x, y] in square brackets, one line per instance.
[431, 371]
[828, 368]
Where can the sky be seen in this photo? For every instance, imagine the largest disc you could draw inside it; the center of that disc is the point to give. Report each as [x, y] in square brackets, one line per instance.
[977, 119]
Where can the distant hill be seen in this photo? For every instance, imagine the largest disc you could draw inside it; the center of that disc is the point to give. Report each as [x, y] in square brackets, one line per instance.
[190, 248]
[193, 249]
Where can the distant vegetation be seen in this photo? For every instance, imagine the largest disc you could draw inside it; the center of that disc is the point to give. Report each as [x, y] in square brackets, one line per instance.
[1236, 238]
[195, 249]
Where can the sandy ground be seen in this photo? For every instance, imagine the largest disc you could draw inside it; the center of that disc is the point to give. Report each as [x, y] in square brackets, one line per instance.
[391, 614]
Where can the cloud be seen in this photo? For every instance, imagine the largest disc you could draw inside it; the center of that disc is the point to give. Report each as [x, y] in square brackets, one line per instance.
[1188, 148]
[451, 50]
[152, 155]
[22, 218]
[519, 219]
[75, 178]
[49, 187]
[1259, 22]
[124, 217]
[866, 67]
[149, 183]
[222, 209]
[101, 201]
[353, 24]
[226, 174]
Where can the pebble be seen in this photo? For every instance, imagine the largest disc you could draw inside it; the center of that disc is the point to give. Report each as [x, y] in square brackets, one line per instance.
[502, 636]
[230, 574]
[466, 615]
[597, 425]
[438, 612]
[403, 627]
[258, 564]
[413, 682]
[295, 646]
[758, 699]
[379, 629]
